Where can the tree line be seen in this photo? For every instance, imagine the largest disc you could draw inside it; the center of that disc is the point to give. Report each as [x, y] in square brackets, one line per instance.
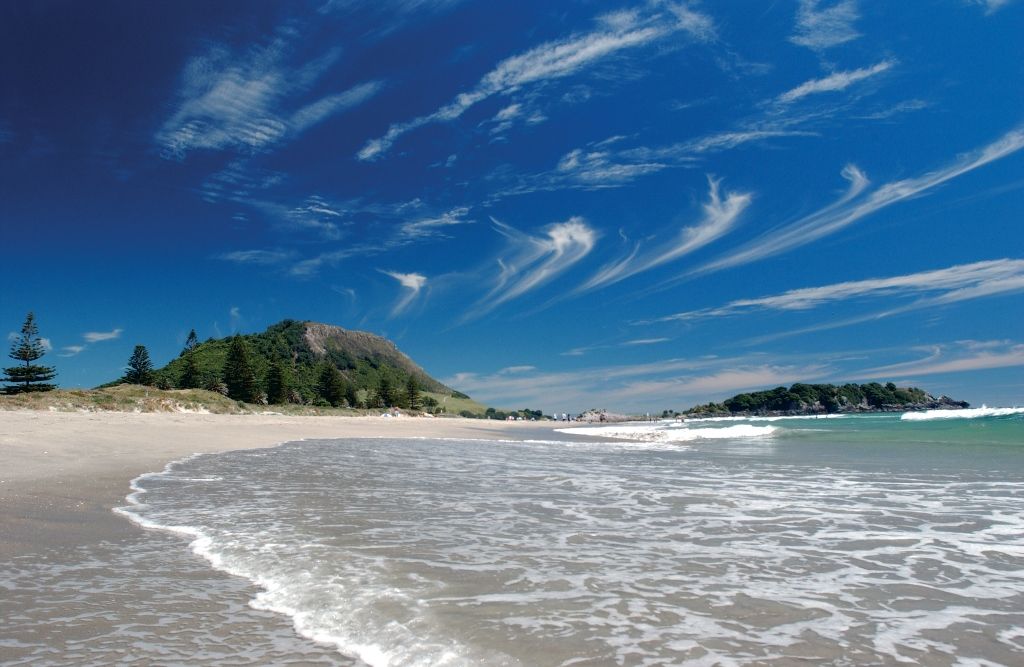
[240, 380]
[823, 397]
[237, 378]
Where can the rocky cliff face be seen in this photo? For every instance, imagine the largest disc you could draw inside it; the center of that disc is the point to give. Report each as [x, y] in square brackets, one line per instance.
[323, 339]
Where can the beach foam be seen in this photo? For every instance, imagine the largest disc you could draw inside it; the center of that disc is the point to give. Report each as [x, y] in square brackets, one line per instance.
[968, 413]
[763, 419]
[662, 433]
[424, 552]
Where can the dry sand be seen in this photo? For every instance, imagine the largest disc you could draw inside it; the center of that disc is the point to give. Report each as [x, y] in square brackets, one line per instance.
[61, 473]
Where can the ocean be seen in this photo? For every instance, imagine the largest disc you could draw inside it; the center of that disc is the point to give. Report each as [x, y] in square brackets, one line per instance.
[867, 539]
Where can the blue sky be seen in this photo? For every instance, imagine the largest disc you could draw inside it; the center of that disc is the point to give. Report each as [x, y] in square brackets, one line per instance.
[562, 205]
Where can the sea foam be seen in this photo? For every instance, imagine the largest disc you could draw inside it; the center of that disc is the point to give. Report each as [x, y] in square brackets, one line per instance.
[425, 552]
[970, 413]
[663, 434]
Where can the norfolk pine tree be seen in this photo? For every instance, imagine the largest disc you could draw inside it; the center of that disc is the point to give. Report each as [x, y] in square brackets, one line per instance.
[191, 343]
[140, 368]
[385, 393]
[28, 348]
[279, 383]
[190, 375]
[239, 375]
[412, 390]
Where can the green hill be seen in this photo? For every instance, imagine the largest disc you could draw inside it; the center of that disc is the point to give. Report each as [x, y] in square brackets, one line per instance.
[304, 349]
[817, 398]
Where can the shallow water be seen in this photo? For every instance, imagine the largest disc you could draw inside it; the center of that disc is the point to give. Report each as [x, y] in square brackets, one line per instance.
[144, 600]
[864, 540]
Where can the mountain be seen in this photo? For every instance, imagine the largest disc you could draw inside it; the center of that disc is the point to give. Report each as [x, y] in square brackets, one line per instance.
[818, 398]
[305, 348]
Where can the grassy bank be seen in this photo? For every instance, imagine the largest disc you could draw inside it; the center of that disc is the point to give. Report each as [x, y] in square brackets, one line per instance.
[135, 398]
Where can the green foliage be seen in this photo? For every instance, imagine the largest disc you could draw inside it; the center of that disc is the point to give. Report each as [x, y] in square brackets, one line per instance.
[362, 360]
[385, 392]
[239, 374]
[525, 413]
[279, 383]
[140, 368]
[802, 397]
[334, 388]
[412, 394]
[27, 349]
[191, 343]
[191, 378]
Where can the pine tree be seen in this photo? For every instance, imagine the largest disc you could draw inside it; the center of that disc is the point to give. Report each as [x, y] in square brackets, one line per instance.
[385, 393]
[412, 392]
[190, 376]
[333, 387]
[28, 348]
[140, 368]
[279, 383]
[239, 375]
[191, 343]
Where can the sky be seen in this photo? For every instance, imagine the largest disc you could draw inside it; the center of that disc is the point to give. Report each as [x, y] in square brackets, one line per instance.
[634, 206]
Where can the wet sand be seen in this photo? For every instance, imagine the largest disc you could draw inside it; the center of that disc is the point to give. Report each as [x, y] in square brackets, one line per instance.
[62, 473]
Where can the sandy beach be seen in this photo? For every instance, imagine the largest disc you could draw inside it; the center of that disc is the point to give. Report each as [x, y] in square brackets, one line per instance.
[61, 473]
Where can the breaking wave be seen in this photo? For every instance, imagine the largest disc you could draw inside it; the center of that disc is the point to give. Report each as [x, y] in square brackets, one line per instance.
[971, 413]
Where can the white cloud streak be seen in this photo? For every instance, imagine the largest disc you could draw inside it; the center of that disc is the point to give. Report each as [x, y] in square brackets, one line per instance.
[938, 362]
[413, 283]
[247, 102]
[991, 6]
[394, 235]
[952, 284]
[859, 202]
[71, 350]
[719, 218]
[553, 60]
[819, 28]
[833, 82]
[536, 260]
[668, 383]
[258, 257]
[98, 336]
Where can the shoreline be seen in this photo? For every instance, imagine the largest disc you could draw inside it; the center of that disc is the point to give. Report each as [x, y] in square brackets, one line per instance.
[63, 473]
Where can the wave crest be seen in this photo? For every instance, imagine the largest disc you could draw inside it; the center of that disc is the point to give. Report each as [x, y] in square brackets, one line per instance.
[661, 434]
[970, 413]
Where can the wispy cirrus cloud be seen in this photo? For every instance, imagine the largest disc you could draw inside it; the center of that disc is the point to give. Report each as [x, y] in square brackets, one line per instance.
[603, 164]
[961, 358]
[253, 100]
[258, 257]
[535, 260]
[953, 284]
[833, 82]
[636, 342]
[991, 6]
[720, 215]
[860, 201]
[71, 350]
[98, 336]
[820, 26]
[412, 283]
[666, 383]
[391, 234]
[617, 32]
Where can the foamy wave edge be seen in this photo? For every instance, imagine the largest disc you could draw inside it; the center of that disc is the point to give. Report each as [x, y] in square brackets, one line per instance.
[969, 413]
[268, 599]
[670, 435]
